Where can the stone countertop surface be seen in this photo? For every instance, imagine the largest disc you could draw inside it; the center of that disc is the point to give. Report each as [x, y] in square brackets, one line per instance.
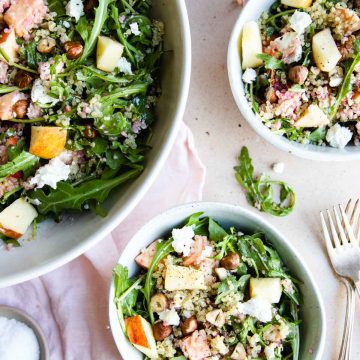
[220, 132]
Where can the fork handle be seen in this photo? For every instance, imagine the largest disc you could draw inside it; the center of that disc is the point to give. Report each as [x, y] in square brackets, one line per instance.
[345, 350]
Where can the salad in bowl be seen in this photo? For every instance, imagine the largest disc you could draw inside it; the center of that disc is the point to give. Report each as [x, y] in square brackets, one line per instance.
[78, 84]
[205, 292]
[301, 70]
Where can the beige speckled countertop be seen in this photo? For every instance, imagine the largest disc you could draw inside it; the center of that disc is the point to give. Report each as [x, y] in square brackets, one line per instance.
[220, 131]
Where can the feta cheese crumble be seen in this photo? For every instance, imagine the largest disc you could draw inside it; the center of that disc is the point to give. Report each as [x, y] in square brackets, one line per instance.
[183, 239]
[278, 167]
[338, 136]
[124, 66]
[75, 9]
[50, 174]
[169, 317]
[249, 75]
[256, 307]
[39, 94]
[299, 21]
[134, 27]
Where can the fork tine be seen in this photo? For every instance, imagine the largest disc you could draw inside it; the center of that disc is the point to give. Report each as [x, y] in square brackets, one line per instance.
[327, 237]
[333, 230]
[344, 239]
[348, 228]
[355, 220]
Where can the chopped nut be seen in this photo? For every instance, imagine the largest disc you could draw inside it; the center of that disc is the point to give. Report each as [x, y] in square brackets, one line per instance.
[298, 74]
[271, 95]
[46, 45]
[158, 302]
[20, 108]
[230, 261]
[73, 49]
[189, 325]
[23, 79]
[216, 317]
[161, 331]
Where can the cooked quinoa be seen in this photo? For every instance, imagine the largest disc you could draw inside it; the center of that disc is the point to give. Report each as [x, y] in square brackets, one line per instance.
[231, 298]
[292, 77]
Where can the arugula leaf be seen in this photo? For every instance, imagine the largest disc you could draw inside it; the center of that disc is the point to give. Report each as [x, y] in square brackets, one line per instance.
[317, 135]
[22, 162]
[163, 249]
[101, 14]
[69, 197]
[5, 89]
[231, 284]
[271, 62]
[56, 6]
[260, 192]
[198, 223]
[216, 232]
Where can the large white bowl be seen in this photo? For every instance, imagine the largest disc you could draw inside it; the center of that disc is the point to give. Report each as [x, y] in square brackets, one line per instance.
[252, 11]
[57, 244]
[313, 328]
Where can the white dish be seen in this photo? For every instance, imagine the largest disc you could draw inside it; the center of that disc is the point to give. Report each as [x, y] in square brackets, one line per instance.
[252, 11]
[57, 244]
[313, 315]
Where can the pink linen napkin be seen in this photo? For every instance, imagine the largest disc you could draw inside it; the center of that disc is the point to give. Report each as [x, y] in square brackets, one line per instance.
[71, 303]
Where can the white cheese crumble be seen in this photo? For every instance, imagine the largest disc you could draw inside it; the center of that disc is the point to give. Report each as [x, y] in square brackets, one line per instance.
[206, 253]
[75, 9]
[338, 136]
[290, 46]
[50, 174]
[134, 27]
[299, 21]
[256, 307]
[278, 167]
[249, 75]
[222, 273]
[39, 94]
[124, 66]
[183, 239]
[270, 352]
[169, 317]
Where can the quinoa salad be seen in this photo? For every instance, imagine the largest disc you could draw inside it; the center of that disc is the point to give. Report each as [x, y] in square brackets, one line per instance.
[207, 293]
[78, 85]
[301, 70]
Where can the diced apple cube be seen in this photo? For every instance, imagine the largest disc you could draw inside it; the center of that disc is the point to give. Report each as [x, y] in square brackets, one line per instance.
[140, 334]
[16, 218]
[300, 4]
[251, 45]
[9, 45]
[268, 289]
[326, 53]
[184, 278]
[313, 116]
[47, 142]
[108, 53]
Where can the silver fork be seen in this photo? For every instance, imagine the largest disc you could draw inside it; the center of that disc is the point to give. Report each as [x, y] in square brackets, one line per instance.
[344, 253]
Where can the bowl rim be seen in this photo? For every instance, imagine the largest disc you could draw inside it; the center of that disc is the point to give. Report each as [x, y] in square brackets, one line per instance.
[220, 206]
[309, 151]
[32, 324]
[80, 248]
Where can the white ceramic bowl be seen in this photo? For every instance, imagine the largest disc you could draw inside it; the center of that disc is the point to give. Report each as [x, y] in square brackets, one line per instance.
[313, 328]
[57, 244]
[252, 11]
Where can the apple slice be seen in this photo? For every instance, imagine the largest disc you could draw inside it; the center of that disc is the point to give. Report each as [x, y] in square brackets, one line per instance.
[140, 334]
[16, 218]
[326, 53]
[268, 289]
[8, 45]
[184, 278]
[300, 4]
[47, 142]
[251, 45]
[108, 53]
[313, 116]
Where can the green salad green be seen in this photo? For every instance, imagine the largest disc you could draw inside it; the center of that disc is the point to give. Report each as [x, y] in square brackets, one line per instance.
[204, 291]
[79, 99]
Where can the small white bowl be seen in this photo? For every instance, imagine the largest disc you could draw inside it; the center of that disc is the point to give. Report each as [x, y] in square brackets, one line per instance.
[19, 315]
[252, 11]
[313, 328]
